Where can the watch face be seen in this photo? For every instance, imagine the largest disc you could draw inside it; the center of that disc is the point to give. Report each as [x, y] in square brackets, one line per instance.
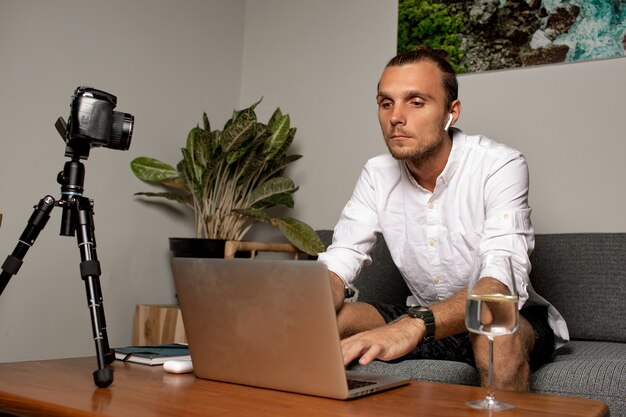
[419, 309]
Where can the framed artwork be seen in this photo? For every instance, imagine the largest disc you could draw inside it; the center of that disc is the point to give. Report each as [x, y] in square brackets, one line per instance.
[484, 35]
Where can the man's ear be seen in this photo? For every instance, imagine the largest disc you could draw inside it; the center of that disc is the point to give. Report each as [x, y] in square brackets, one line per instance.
[455, 113]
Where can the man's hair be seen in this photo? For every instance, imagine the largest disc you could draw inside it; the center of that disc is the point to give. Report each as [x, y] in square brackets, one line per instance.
[437, 57]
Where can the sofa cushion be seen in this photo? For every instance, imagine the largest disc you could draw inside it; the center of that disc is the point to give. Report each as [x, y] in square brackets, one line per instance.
[425, 370]
[584, 276]
[586, 369]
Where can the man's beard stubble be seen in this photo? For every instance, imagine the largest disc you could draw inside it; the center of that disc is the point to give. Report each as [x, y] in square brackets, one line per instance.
[416, 154]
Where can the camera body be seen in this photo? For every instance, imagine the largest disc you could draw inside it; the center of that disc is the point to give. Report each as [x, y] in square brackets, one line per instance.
[92, 122]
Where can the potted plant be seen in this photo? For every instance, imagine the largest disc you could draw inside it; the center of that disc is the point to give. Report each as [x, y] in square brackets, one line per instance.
[230, 178]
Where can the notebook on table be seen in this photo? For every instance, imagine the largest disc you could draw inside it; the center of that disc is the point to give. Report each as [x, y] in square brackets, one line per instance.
[267, 323]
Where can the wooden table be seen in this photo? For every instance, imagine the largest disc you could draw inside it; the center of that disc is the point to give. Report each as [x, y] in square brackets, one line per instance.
[65, 387]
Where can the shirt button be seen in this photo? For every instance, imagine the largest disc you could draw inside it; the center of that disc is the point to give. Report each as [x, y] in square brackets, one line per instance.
[505, 216]
[431, 205]
[436, 280]
[432, 242]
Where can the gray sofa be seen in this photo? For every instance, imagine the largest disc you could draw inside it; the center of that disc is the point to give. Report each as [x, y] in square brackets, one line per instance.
[583, 275]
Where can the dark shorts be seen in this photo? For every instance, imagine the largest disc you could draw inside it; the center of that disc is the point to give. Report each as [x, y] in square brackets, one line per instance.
[458, 348]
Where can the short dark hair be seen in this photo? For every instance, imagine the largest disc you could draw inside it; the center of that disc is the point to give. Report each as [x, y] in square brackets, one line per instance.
[437, 56]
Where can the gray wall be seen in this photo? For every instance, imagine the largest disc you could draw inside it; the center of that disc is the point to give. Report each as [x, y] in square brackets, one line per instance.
[167, 62]
[319, 61]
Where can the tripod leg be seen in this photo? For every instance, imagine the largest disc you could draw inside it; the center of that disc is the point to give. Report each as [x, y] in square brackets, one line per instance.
[90, 273]
[36, 223]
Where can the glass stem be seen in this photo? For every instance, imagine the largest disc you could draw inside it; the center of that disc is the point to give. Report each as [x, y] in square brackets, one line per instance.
[490, 395]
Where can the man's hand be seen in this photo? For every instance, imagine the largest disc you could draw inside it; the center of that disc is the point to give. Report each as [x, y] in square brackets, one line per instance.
[386, 343]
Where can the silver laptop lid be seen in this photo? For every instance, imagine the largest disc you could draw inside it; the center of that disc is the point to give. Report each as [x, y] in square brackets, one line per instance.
[264, 323]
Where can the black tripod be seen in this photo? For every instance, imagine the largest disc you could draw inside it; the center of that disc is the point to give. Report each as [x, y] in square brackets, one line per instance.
[77, 219]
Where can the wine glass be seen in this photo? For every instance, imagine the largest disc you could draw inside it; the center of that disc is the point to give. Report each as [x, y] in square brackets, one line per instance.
[491, 313]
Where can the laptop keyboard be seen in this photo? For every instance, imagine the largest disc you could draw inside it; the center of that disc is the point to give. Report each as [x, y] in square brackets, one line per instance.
[357, 383]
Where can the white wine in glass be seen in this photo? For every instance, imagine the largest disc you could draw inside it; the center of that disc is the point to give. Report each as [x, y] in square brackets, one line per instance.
[490, 313]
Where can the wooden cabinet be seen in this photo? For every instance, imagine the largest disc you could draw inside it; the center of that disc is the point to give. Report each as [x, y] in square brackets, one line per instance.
[157, 323]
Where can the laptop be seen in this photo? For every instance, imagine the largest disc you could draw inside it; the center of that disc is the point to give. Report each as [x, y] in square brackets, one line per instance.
[267, 323]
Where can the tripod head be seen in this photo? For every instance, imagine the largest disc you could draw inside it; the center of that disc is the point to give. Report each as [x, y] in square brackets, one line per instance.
[71, 179]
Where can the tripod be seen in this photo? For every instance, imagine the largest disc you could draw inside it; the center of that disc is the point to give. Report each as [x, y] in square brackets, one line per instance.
[77, 219]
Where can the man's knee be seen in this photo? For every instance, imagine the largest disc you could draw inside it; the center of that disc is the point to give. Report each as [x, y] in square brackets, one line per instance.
[356, 317]
[511, 357]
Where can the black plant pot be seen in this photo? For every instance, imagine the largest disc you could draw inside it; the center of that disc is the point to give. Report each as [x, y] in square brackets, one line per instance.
[185, 247]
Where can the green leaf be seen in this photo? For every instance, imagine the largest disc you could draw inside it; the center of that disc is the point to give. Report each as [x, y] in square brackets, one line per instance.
[191, 138]
[270, 188]
[278, 165]
[301, 235]
[205, 122]
[239, 128]
[201, 147]
[281, 199]
[214, 150]
[248, 147]
[185, 168]
[152, 170]
[177, 183]
[256, 214]
[279, 135]
[276, 116]
[236, 155]
[287, 143]
[249, 169]
[170, 196]
[193, 150]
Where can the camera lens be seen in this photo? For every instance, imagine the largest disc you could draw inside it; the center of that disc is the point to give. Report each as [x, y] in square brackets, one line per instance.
[121, 131]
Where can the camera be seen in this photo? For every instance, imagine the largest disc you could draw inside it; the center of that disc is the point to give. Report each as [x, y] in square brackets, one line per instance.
[92, 123]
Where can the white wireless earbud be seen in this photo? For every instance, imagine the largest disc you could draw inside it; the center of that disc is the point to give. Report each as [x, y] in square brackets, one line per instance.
[447, 126]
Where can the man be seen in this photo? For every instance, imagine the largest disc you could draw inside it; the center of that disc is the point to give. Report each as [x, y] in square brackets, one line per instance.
[439, 199]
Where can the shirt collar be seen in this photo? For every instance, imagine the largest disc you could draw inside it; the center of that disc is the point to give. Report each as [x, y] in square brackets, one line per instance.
[458, 143]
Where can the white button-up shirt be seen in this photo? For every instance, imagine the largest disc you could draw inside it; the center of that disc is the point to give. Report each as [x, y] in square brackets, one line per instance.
[479, 204]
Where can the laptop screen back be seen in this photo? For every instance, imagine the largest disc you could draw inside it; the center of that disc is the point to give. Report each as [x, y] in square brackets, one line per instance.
[264, 323]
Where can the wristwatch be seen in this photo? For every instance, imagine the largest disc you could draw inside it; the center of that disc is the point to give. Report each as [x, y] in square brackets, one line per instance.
[348, 292]
[426, 315]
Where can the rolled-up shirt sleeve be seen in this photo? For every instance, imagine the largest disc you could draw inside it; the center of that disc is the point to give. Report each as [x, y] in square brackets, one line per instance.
[355, 232]
[507, 226]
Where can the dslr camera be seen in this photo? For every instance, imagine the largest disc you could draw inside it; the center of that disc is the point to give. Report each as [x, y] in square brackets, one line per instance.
[93, 123]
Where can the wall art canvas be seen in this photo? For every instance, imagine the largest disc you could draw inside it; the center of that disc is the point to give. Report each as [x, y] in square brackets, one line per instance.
[483, 35]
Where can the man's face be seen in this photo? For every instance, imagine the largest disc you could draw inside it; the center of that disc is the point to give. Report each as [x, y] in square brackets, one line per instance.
[412, 110]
